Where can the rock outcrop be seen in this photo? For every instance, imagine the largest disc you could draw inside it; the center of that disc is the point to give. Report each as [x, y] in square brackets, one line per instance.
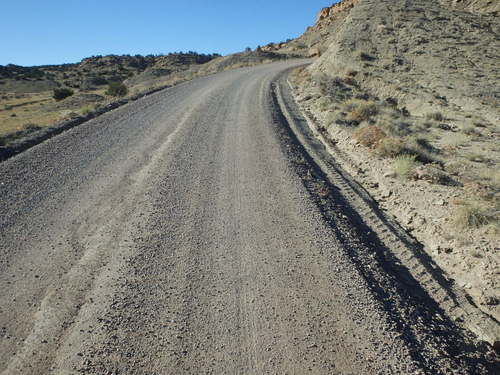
[329, 14]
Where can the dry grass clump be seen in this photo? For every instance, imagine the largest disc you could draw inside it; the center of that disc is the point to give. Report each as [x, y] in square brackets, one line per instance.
[418, 147]
[405, 165]
[369, 136]
[455, 141]
[324, 104]
[475, 214]
[391, 147]
[471, 130]
[334, 118]
[88, 109]
[480, 190]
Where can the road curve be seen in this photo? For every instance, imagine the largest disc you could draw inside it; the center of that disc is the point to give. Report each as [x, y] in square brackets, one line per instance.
[174, 236]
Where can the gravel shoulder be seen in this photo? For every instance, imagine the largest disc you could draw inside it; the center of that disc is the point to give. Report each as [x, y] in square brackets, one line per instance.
[186, 233]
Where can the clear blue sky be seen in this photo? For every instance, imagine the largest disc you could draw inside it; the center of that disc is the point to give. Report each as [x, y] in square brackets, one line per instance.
[63, 31]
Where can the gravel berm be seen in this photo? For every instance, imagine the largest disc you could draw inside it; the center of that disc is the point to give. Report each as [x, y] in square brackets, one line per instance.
[181, 234]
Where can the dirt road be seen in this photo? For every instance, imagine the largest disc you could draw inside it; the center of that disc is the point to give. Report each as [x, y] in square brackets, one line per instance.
[175, 235]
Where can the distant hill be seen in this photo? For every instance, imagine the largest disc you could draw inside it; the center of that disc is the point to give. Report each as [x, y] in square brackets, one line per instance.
[94, 72]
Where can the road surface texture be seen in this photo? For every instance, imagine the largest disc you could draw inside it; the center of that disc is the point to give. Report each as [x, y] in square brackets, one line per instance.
[180, 234]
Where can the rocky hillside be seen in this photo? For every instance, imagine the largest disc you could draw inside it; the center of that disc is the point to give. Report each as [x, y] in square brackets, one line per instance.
[408, 91]
[421, 53]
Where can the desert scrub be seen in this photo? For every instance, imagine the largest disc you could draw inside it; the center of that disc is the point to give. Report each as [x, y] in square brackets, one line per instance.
[62, 93]
[397, 127]
[369, 136]
[417, 147]
[333, 118]
[117, 89]
[404, 166]
[436, 116]
[329, 85]
[471, 130]
[360, 110]
[324, 104]
[422, 149]
[475, 214]
[391, 147]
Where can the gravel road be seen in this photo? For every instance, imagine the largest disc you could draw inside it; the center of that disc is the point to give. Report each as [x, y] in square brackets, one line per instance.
[175, 235]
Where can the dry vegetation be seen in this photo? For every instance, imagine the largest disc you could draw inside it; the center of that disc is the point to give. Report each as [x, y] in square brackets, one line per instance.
[434, 169]
[424, 144]
[28, 95]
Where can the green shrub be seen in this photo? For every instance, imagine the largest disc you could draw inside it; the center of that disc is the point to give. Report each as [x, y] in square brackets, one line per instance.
[62, 93]
[117, 89]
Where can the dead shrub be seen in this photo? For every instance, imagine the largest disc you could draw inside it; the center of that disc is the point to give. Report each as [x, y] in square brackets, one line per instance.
[360, 110]
[369, 136]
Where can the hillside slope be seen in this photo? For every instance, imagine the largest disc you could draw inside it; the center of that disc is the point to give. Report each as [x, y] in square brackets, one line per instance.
[93, 72]
[476, 6]
[408, 93]
[419, 52]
